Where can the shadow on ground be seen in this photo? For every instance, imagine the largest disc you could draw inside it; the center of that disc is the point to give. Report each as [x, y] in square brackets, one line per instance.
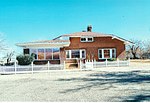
[137, 98]
[107, 80]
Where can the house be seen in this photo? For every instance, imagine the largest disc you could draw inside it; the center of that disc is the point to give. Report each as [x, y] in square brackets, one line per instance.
[79, 45]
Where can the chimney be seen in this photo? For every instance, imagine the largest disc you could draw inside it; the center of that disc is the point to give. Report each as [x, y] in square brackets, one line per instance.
[89, 28]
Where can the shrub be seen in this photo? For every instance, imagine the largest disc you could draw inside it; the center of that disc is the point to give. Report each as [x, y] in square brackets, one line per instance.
[25, 59]
[9, 64]
[112, 59]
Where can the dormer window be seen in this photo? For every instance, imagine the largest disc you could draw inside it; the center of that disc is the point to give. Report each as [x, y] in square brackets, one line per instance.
[86, 39]
[83, 39]
[90, 39]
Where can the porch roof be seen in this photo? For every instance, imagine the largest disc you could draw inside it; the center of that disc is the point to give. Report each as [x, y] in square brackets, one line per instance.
[45, 44]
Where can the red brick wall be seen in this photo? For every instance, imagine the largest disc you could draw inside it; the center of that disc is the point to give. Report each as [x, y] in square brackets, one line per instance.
[92, 47]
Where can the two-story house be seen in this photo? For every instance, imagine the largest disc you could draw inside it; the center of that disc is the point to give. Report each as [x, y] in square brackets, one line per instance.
[79, 45]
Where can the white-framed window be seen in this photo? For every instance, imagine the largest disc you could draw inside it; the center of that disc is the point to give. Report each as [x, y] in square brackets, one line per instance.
[73, 54]
[86, 39]
[45, 53]
[107, 53]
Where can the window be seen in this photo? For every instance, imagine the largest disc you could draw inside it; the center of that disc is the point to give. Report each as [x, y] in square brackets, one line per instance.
[100, 53]
[34, 52]
[75, 54]
[26, 51]
[72, 54]
[46, 54]
[107, 53]
[40, 54]
[67, 54]
[83, 54]
[55, 53]
[113, 53]
[86, 39]
[90, 39]
[83, 39]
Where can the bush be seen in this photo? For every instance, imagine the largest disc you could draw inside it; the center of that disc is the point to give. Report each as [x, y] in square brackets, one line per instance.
[9, 64]
[25, 59]
[112, 59]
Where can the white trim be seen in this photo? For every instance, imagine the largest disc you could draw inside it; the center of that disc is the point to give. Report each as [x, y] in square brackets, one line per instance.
[126, 42]
[69, 54]
[44, 53]
[52, 53]
[102, 53]
[80, 53]
[110, 53]
[86, 39]
[110, 50]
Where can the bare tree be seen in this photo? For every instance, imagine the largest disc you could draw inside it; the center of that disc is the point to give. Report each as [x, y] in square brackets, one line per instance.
[136, 49]
[2, 43]
[146, 53]
[147, 46]
[9, 56]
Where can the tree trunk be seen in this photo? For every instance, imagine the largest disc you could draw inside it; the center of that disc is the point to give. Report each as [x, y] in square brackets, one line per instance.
[134, 56]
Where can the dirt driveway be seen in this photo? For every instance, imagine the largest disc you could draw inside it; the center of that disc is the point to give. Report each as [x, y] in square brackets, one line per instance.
[104, 84]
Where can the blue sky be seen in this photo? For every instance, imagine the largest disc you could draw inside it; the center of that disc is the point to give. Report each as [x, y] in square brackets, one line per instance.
[29, 20]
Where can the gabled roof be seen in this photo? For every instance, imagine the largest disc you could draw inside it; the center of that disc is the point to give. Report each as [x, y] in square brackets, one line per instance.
[93, 34]
[61, 42]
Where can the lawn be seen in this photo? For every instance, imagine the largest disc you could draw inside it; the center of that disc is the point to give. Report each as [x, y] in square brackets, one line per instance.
[111, 84]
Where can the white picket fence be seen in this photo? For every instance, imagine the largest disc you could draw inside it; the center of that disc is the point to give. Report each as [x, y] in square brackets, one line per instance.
[91, 64]
[30, 68]
[48, 67]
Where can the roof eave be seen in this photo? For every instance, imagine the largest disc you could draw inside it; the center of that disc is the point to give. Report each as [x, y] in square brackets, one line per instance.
[127, 42]
[26, 45]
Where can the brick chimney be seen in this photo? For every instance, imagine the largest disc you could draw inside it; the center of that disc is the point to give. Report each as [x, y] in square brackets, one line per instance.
[89, 28]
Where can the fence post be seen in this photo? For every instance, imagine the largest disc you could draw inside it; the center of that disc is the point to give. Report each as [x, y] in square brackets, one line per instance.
[64, 65]
[48, 66]
[92, 64]
[118, 62]
[32, 67]
[106, 62]
[129, 62]
[15, 67]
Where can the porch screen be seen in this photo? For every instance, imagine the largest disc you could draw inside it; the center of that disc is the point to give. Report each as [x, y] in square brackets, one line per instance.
[46, 54]
[55, 53]
[40, 54]
[34, 53]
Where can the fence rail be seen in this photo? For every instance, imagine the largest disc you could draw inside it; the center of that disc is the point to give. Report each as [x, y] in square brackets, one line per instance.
[94, 64]
[46, 68]
[14, 69]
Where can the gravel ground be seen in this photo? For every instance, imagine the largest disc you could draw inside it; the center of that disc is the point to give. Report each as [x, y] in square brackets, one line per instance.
[111, 84]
